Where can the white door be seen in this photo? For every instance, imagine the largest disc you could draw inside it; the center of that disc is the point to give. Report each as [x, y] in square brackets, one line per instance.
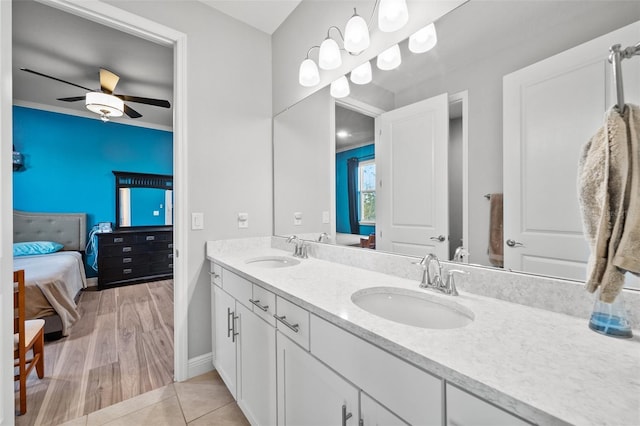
[256, 394]
[374, 414]
[224, 344]
[310, 393]
[411, 167]
[551, 109]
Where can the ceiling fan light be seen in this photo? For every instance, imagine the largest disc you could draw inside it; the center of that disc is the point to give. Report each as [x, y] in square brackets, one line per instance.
[329, 58]
[392, 15]
[340, 88]
[309, 75]
[390, 58]
[103, 104]
[356, 35]
[362, 74]
[424, 39]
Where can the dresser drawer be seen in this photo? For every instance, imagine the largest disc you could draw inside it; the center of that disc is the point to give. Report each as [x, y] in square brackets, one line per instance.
[165, 267]
[166, 256]
[160, 245]
[238, 287]
[264, 304]
[110, 239]
[124, 260]
[124, 272]
[292, 321]
[122, 250]
[147, 237]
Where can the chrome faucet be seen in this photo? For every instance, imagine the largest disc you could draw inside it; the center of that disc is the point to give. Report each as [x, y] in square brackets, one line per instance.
[323, 238]
[434, 281]
[459, 254]
[300, 249]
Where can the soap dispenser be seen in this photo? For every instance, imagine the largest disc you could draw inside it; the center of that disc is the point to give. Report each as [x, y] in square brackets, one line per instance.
[610, 318]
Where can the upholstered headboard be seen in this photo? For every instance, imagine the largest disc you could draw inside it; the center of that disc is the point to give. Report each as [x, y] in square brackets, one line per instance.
[69, 229]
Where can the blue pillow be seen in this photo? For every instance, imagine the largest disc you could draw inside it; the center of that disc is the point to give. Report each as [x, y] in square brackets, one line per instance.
[35, 247]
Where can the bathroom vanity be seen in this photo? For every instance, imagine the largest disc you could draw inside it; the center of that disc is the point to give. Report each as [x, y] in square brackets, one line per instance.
[294, 348]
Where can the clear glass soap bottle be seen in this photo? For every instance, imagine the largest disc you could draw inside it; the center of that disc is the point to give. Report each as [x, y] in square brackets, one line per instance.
[610, 318]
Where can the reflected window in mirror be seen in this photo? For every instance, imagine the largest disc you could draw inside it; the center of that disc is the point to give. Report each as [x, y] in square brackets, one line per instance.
[143, 200]
[367, 193]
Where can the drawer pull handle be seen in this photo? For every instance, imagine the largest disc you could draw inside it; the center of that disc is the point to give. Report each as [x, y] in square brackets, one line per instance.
[118, 240]
[126, 260]
[150, 238]
[265, 308]
[170, 255]
[170, 245]
[345, 416]
[126, 249]
[282, 319]
[216, 276]
[229, 314]
[126, 271]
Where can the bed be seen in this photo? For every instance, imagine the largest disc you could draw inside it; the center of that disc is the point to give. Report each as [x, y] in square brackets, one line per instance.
[53, 281]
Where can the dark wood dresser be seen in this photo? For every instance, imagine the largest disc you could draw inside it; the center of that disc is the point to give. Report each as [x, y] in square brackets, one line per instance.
[134, 256]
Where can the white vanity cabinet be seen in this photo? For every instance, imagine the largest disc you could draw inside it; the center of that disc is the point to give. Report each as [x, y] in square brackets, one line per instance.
[309, 393]
[374, 414]
[464, 409]
[224, 319]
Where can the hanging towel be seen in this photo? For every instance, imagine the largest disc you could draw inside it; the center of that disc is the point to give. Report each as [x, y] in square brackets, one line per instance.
[496, 246]
[604, 195]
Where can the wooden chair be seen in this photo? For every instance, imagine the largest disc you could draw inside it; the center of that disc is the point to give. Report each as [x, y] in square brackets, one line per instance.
[28, 335]
[369, 242]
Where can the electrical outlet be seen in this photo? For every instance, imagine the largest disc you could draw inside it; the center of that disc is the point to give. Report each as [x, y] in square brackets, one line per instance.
[325, 217]
[197, 221]
[243, 220]
[297, 218]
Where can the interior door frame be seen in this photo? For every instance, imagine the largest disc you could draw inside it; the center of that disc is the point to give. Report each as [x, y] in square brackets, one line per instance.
[130, 23]
[463, 96]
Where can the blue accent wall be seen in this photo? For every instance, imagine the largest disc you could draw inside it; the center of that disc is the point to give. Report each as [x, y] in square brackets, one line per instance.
[69, 161]
[366, 152]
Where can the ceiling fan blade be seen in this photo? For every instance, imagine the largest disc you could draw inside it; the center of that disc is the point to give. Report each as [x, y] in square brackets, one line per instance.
[56, 79]
[108, 81]
[149, 101]
[132, 113]
[72, 99]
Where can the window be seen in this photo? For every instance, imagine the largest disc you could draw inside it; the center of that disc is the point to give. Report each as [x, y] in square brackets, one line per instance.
[367, 189]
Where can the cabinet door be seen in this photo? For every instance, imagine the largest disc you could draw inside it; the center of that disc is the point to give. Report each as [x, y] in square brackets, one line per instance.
[224, 341]
[464, 409]
[310, 393]
[256, 346]
[374, 414]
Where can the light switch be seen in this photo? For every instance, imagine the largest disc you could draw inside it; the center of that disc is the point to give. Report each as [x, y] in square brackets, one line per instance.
[325, 217]
[197, 221]
[156, 213]
[243, 220]
[297, 218]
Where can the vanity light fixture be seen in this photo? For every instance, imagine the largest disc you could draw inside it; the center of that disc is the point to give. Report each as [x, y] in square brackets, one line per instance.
[329, 58]
[424, 39]
[308, 75]
[390, 58]
[362, 74]
[105, 105]
[392, 15]
[340, 88]
[356, 34]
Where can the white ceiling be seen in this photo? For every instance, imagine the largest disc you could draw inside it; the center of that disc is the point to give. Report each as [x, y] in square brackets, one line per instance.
[265, 15]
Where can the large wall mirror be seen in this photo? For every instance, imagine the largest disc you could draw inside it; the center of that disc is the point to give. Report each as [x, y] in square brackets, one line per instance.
[435, 196]
[143, 199]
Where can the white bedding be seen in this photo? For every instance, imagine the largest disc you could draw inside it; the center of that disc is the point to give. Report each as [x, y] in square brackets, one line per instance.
[52, 283]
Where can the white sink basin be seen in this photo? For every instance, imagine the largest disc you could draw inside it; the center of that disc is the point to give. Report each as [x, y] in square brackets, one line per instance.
[412, 308]
[273, 261]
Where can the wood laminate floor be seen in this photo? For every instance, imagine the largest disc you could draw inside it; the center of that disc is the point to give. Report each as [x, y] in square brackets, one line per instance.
[121, 347]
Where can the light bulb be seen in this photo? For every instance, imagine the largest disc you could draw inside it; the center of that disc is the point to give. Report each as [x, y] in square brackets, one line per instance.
[362, 73]
[392, 15]
[390, 58]
[308, 75]
[424, 39]
[329, 58]
[356, 35]
[340, 88]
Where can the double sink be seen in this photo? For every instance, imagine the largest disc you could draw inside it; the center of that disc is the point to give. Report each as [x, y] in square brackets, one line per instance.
[409, 307]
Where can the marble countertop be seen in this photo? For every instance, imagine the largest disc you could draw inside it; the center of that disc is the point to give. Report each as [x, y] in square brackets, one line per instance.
[546, 367]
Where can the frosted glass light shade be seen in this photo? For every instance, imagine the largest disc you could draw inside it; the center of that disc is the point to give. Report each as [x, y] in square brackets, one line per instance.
[340, 88]
[330, 58]
[362, 73]
[308, 75]
[424, 39]
[392, 15]
[104, 104]
[356, 35]
[390, 58]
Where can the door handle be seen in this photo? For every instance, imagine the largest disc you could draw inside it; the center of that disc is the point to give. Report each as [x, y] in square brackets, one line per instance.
[513, 243]
[439, 238]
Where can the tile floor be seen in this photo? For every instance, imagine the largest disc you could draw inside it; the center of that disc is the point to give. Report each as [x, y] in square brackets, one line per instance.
[202, 400]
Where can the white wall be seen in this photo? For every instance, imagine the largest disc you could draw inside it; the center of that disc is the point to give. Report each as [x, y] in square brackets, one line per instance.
[304, 147]
[228, 136]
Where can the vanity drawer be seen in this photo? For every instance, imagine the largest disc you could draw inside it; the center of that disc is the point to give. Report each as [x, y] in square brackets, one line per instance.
[293, 321]
[264, 304]
[464, 409]
[216, 274]
[412, 394]
[238, 287]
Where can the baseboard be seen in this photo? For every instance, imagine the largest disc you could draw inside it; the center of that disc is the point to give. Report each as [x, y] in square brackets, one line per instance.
[200, 365]
[92, 282]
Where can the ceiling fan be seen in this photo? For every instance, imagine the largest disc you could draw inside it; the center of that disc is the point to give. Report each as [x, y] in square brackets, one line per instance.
[104, 102]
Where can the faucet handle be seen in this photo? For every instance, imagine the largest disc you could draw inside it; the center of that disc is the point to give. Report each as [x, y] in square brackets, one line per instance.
[450, 284]
[303, 254]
